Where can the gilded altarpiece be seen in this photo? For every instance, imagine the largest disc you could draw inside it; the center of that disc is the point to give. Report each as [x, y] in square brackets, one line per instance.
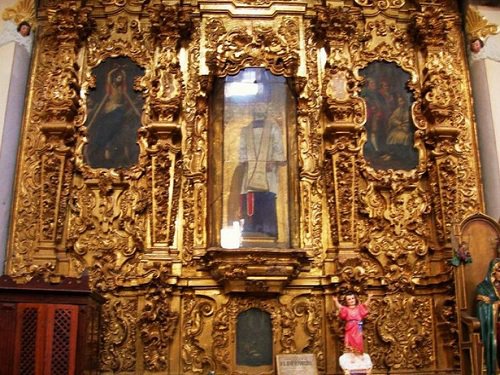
[147, 234]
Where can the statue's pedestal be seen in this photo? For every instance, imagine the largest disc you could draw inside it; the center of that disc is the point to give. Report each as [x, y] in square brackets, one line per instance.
[356, 364]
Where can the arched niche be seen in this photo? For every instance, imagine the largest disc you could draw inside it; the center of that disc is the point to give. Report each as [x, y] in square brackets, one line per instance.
[254, 338]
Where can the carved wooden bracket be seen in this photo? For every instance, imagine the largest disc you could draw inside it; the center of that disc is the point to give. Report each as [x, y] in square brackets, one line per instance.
[255, 270]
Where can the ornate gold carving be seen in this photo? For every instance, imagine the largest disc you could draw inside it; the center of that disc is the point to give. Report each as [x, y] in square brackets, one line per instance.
[135, 231]
[405, 331]
[56, 181]
[195, 358]
[308, 312]
[118, 353]
[478, 26]
[433, 26]
[166, 172]
[68, 24]
[342, 188]
[24, 10]
[256, 270]
[336, 25]
[230, 51]
[395, 234]
[382, 4]
[130, 6]
[166, 85]
[157, 325]
[345, 115]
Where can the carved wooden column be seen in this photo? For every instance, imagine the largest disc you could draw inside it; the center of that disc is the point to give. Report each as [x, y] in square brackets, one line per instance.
[162, 127]
[47, 184]
[446, 108]
[345, 114]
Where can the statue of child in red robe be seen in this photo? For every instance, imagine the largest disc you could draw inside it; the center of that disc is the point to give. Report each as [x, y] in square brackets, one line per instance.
[353, 314]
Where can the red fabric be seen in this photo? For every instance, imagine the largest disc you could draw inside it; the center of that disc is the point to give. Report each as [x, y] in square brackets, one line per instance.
[250, 204]
[353, 331]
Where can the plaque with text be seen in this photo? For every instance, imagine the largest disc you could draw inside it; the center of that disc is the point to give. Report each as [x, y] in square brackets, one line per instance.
[296, 364]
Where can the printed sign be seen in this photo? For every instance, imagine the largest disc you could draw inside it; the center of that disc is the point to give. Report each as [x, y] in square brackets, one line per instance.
[296, 364]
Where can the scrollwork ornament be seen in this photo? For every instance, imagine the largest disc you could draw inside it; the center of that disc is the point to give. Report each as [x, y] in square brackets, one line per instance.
[356, 273]
[119, 326]
[477, 26]
[396, 232]
[310, 308]
[167, 24]
[24, 10]
[341, 171]
[195, 357]
[130, 6]
[157, 325]
[228, 52]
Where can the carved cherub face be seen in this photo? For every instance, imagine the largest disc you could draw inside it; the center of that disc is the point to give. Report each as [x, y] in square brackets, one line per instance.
[476, 45]
[24, 28]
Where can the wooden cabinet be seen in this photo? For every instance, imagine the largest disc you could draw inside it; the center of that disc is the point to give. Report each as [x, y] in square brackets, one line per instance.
[49, 329]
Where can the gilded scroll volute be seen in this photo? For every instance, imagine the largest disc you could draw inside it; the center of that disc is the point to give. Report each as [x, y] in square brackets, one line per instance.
[405, 343]
[118, 352]
[381, 5]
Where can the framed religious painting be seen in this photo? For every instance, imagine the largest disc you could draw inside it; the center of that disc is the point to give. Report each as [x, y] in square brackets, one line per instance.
[114, 115]
[389, 124]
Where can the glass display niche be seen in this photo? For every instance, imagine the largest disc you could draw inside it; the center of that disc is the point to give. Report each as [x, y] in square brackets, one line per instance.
[255, 122]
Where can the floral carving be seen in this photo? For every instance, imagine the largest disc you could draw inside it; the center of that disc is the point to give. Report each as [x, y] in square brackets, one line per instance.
[68, 26]
[405, 331]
